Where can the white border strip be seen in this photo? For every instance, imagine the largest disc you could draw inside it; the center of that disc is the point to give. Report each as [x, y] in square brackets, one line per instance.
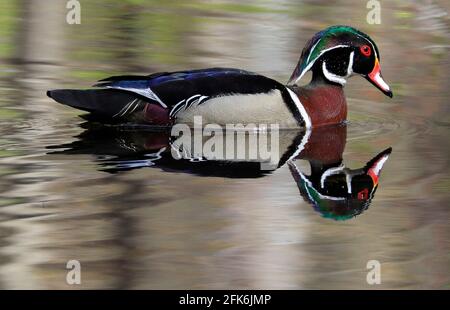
[300, 108]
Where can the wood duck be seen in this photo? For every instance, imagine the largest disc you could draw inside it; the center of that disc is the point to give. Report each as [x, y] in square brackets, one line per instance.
[230, 96]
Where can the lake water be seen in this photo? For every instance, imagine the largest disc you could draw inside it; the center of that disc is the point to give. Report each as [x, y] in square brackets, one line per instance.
[133, 218]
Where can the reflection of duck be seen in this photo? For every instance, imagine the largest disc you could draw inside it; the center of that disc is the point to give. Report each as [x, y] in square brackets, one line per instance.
[231, 96]
[334, 190]
[120, 148]
[338, 192]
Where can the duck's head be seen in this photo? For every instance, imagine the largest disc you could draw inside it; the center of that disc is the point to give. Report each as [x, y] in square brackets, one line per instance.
[338, 52]
[338, 192]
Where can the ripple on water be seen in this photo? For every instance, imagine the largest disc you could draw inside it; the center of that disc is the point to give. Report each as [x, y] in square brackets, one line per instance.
[372, 119]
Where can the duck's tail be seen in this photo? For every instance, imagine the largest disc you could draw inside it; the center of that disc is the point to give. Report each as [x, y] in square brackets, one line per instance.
[104, 103]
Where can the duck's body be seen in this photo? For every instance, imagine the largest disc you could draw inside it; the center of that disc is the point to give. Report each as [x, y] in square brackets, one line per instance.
[231, 96]
[243, 98]
[219, 95]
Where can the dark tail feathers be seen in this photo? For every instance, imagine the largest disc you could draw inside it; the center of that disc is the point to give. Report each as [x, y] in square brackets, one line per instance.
[103, 102]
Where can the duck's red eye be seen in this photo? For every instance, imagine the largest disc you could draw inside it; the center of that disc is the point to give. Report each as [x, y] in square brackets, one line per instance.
[365, 50]
[364, 194]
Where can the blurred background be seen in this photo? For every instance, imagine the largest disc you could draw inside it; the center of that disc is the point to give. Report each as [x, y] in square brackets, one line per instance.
[147, 228]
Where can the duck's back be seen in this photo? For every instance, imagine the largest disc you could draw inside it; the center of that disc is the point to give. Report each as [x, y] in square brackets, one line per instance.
[219, 95]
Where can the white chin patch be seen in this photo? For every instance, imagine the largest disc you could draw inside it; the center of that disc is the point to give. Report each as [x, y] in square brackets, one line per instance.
[337, 78]
[331, 76]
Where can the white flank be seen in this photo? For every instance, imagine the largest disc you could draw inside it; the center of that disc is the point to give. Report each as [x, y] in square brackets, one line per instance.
[264, 108]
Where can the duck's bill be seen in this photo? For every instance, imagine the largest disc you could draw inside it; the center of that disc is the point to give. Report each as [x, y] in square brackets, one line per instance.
[376, 79]
[374, 166]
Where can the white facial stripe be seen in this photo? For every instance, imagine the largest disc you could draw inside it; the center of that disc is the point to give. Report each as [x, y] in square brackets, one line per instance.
[348, 180]
[312, 62]
[350, 64]
[309, 56]
[381, 82]
[331, 76]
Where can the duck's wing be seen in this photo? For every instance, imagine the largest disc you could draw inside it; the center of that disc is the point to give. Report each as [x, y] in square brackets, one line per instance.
[177, 90]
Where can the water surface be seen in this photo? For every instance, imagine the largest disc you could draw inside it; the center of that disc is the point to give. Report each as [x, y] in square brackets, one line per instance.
[160, 226]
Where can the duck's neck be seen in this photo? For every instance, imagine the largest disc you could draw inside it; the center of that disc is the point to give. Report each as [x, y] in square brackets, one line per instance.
[324, 101]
